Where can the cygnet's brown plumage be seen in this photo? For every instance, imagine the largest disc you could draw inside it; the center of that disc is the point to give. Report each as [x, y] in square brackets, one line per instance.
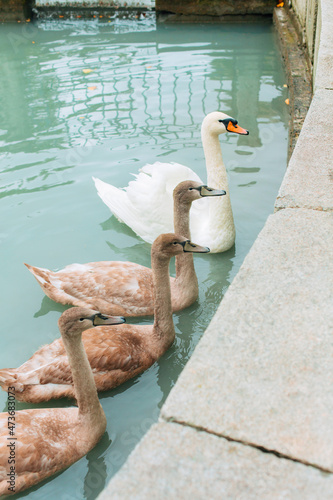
[115, 354]
[126, 288]
[45, 441]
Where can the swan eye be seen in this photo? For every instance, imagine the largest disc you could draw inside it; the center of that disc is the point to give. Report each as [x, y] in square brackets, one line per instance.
[175, 243]
[82, 319]
[190, 189]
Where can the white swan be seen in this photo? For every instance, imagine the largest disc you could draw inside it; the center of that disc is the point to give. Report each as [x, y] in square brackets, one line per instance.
[146, 204]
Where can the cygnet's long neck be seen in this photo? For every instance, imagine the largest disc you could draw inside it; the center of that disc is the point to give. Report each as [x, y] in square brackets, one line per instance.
[187, 282]
[90, 409]
[163, 324]
[220, 212]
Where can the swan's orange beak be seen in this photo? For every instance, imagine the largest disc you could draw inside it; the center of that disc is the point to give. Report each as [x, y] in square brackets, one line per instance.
[231, 127]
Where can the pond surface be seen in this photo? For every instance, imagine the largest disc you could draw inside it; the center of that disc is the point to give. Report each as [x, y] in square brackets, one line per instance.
[104, 97]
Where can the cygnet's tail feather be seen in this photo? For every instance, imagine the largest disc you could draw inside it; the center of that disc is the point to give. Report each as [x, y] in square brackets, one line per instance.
[41, 274]
[7, 378]
[44, 278]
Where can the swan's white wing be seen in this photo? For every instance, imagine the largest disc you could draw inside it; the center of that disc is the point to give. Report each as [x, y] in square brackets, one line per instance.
[146, 204]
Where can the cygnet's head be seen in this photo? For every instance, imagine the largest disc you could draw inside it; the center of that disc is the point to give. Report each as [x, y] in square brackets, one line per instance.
[76, 320]
[187, 191]
[169, 244]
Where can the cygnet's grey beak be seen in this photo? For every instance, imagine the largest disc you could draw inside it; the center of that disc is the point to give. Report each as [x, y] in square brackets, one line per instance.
[192, 247]
[103, 319]
[207, 191]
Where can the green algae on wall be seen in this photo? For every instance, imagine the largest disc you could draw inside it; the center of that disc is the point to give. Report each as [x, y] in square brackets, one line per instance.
[15, 10]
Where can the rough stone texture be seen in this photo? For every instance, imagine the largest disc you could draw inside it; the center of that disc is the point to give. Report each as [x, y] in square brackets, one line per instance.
[263, 371]
[298, 73]
[323, 60]
[300, 9]
[309, 178]
[15, 10]
[310, 26]
[175, 462]
[216, 7]
[123, 4]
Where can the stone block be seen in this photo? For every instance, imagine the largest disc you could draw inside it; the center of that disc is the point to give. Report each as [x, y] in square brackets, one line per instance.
[263, 371]
[310, 26]
[300, 9]
[308, 182]
[177, 462]
[216, 7]
[323, 57]
[15, 10]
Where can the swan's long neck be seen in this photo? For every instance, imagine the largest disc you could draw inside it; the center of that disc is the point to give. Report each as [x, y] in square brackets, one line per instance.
[85, 389]
[186, 278]
[216, 171]
[163, 324]
[220, 211]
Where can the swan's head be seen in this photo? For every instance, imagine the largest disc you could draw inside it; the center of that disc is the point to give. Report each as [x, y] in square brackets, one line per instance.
[75, 320]
[217, 123]
[170, 244]
[187, 191]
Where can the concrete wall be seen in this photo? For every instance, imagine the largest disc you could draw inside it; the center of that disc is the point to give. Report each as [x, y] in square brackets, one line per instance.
[216, 7]
[15, 10]
[317, 36]
[251, 414]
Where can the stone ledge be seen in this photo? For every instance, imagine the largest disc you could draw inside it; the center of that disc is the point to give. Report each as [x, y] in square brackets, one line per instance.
[323, 64]
[298, 73]
[216, 7]
[176, 462]
[308, 182]
[262, 372]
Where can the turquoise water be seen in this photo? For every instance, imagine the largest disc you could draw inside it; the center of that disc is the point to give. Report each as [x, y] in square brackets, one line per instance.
[83, 98]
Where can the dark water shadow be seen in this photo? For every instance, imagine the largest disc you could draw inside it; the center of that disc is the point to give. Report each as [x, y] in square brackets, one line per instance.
[47, 305]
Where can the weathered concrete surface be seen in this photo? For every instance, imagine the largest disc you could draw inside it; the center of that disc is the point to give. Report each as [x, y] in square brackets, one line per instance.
[102, 4]
[15, 10]
[216, 7]
[309, 178]
[300, 9]
[176, 462]
[311, 26]
[263, 371]
[298, 74]
[323, 59]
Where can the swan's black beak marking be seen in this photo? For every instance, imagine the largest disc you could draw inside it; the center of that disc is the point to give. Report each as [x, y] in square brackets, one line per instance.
[232, 126]
[192, 247]
[102, 319]
[207, 191]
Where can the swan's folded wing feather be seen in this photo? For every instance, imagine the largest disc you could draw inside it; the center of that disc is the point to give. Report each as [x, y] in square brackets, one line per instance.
[123, 350]
[56, 371]
[113, 281]
[45, 442]
[44, 355]
[146, 204]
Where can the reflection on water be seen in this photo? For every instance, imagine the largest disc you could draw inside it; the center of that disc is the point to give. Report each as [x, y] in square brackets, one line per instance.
[104, 98]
